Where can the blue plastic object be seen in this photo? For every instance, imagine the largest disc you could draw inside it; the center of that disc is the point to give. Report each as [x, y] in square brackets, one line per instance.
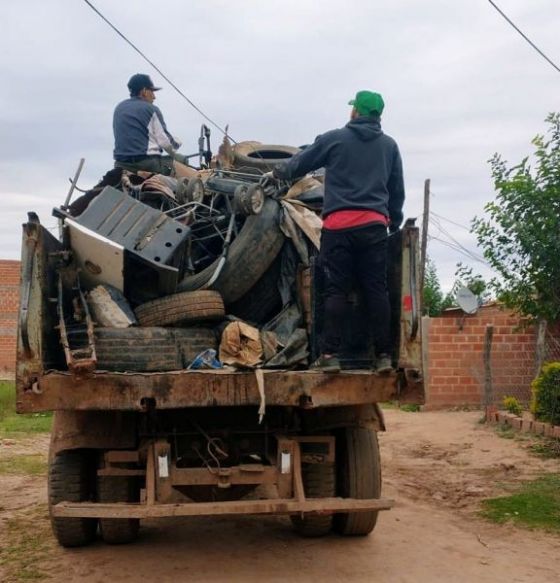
[206, 359]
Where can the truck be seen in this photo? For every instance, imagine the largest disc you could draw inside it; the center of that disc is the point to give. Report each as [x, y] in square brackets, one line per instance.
[128, 445]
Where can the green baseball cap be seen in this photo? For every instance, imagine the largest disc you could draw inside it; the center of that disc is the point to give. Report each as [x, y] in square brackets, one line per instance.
[368, 103]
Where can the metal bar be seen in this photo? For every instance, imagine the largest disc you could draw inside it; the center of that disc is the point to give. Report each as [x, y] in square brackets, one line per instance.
[122, 457]
[278, 506]
[120, 472]
[151, 476]
[236, 475]
[299, 491]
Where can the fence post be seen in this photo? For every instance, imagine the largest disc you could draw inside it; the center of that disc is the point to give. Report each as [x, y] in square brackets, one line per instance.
[539, 350]
[489, 406]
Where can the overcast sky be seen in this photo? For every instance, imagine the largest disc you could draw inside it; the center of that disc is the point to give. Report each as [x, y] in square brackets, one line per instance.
[459, 84]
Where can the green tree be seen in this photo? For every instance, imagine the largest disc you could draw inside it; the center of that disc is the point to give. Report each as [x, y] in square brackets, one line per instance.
[432, 294]
[520, 236]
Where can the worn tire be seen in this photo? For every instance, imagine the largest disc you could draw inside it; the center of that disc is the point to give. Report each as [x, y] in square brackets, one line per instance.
[264, 157]
[250, 255]
[136, 349]
[358, 476]
[263, 301]
[192, 341]
[150, 349]
[181, 308]
[72, 479]
[118, 531]
[318, 482]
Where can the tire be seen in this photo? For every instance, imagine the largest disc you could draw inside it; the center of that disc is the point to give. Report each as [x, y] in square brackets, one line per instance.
[358, 476]
[263, 301]
[250, 255]
[150, 349]
[137, 349]
[264, 157]
[318, 482]
[118, 531]
[195, 306]
[192, 341]
[72, 479]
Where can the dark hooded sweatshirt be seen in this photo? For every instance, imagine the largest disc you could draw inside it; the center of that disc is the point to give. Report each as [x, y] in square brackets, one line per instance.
[363, 169]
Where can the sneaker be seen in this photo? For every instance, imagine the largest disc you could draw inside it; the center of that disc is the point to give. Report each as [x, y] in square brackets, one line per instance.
[326, 364]
[383, 364]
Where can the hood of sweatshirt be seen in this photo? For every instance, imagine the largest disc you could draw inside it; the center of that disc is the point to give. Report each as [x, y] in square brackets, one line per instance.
[367, 128]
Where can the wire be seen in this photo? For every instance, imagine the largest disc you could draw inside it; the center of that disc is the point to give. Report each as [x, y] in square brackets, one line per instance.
[524, 36]
[460, 245]
[206, 117]
[458, 249]
[450, 221]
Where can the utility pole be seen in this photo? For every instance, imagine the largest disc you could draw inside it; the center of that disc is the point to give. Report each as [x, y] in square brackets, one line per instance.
[424, 242]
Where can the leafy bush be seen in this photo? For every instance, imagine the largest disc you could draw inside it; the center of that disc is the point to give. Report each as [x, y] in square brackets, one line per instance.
[545, 404]
[512, 405]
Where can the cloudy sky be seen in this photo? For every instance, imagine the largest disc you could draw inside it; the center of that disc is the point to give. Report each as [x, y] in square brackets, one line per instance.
[459, 84]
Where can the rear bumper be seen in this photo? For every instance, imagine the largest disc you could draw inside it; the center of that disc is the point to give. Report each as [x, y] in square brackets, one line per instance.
[130, 391]
[279, 506]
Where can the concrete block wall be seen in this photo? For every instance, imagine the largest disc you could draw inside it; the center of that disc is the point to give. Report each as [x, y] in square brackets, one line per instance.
[455, 357]
[9, 302]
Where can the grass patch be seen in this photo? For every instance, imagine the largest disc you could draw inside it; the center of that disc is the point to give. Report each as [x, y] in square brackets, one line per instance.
[546, 448]
[27, 465]
[11, 422]
[410, 408]
[536, 505]
[506, 432]
[28, 542]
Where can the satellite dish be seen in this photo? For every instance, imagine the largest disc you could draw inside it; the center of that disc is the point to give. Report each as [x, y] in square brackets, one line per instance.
[466, 300]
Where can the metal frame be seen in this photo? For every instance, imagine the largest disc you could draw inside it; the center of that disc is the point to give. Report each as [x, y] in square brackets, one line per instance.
[163, 476]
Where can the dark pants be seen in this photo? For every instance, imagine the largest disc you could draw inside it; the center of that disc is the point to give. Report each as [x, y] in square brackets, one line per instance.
[349, 255]
[155, 164]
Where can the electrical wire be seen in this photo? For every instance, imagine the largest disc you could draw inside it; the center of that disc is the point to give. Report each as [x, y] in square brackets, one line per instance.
[450, 221]
[150, 62]
[460, 245]
[550, 61]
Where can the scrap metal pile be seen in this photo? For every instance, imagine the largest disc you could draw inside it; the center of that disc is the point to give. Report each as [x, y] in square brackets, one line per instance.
[162, 274]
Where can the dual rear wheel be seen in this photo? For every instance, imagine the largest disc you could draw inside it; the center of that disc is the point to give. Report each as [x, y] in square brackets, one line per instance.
[357, 474]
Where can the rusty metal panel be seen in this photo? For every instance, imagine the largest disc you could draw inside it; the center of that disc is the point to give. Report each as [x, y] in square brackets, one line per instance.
[128, 391]
[37, 343]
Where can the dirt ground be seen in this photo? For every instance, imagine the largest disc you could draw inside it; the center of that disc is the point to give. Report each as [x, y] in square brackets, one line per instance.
[437, 466]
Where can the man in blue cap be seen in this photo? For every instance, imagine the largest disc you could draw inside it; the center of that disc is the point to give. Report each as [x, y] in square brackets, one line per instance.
[142, 141]
[364, 195]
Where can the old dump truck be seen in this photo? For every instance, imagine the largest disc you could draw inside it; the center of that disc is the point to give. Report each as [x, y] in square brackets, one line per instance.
[134, 444]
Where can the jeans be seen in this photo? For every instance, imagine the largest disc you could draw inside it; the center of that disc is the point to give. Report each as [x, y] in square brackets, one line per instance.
[155, 164]
[358, 254]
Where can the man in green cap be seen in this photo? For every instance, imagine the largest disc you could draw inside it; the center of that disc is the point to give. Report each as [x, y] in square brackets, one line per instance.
[364, 195]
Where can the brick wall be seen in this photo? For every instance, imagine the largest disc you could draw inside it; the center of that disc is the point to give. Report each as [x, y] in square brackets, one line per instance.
[455, 357]
[9, 301]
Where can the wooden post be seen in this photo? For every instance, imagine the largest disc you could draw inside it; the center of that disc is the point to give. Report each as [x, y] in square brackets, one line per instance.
[488, 404]
[539, 350]
[424, 242]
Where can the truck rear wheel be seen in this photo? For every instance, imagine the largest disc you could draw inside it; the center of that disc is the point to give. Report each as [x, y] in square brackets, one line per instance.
[118, 531]
[358, 476]
[72, 479]
[318, 482]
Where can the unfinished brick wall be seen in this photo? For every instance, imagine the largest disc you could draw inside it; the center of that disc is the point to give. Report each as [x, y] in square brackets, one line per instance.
[9, 302]
[455, 357]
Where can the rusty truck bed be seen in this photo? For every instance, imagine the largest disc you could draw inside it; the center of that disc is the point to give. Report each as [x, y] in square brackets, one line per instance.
[129, 391]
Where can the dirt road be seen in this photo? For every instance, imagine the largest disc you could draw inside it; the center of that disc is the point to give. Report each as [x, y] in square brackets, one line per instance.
[438, 466]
